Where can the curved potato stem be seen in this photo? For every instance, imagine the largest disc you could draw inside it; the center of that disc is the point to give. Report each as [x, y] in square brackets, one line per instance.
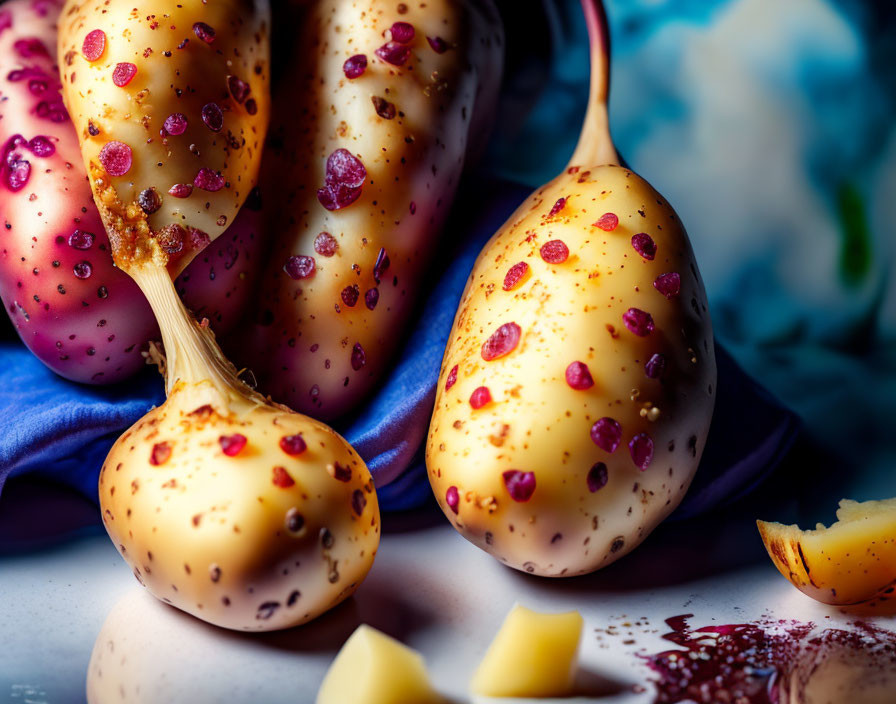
[595, 146]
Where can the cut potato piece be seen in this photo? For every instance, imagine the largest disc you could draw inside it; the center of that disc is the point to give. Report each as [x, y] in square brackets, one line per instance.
[373, 668]
[533, 655]
[852, 562]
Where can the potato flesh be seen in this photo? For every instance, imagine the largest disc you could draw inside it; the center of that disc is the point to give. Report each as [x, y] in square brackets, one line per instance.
[536, 422]
[533, 655]
[851, 562]
[372, 668]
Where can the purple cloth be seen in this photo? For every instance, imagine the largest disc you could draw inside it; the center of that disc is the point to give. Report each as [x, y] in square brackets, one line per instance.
[62, 431]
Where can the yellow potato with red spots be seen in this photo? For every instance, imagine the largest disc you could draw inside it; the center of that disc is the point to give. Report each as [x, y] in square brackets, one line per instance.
[379, 105]
[171, 104]
[236, 510]
[577, 386]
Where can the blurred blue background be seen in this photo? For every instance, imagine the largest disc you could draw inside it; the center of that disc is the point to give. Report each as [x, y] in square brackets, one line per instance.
[770, 128]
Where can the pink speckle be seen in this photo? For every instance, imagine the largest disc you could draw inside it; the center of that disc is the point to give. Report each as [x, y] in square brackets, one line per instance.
[280, 478]
[638, 322]
[452, 498]
[578, 376]
[299, 267]
[451, 379]
[123, 73]
[655, 367]
[181, 190]
[554, 252]
[350, 295]
[502, 342]
[514, 275]
[557, 207]
[644, 245]
[81, 239]
[371, 298]
[325, 244]
[32, 46]
[82, 270]
[668, 284]
[17, 172]
[94, 45]
[520, 485]
[232, 445]
[42, 146]
[394, 53]
[402, 32]
[381, 265]
[607, 222]
[176, 123]
[160, 454]
[251, 106]
[238, 88]
[209, 180]
[354, 66]
[5, 21]
[607, 434]
[597, 477]
[412, 208]
[480, 397]
[345, 174]
[438, 45]
[198, 239]
[213, 117]
[204, 32]
[293, 445]
[359, 357]
[641, 449]
[116, 158]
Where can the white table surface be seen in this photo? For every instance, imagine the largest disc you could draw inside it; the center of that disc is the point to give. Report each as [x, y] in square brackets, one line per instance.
[428, 587]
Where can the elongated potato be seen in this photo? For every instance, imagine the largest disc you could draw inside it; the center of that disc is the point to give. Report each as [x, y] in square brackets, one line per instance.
[374, 116]
[576, 390]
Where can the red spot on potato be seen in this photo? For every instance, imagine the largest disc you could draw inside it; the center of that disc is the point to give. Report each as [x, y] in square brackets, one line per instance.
[213, 116]
[578, 376]
[606, 433]
[232, 445]
[597, 477]
[452, 498]
[123, 73]
[350, 295]
[668, 284]
[359, 357]
[644, 245]
[359, 501]
[181, 190]
[280, 477]
[480, 397]
[299, 267]
[502, 342]
[160, 454]
[116, 158]
[451, 379]
[371, 298]
[402, 32]
[558, 206]
[293, 445]
[345, 174]
[638, 322]
[383, 107]
[515, 275]
[340, 473]
[81, 239]
[382, 264]
[94, 45]
[354, 66]
[325, 244]
[394, 53]
[520, 485]
[208, 180]
[238, 88]
[641, 449]
[607, 222]
[554, 252]
[655, 366]
[82, 270]
[438, 45]
[205, 32]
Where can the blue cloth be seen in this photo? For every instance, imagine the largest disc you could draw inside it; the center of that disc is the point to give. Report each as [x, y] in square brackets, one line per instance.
[62, 431]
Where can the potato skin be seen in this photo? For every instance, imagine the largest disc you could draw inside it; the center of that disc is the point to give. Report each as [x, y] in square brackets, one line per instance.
[320, 343]
[261, 540]
[580, 514]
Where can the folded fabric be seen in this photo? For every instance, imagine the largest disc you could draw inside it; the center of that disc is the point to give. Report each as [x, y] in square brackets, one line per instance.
[59, 430]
